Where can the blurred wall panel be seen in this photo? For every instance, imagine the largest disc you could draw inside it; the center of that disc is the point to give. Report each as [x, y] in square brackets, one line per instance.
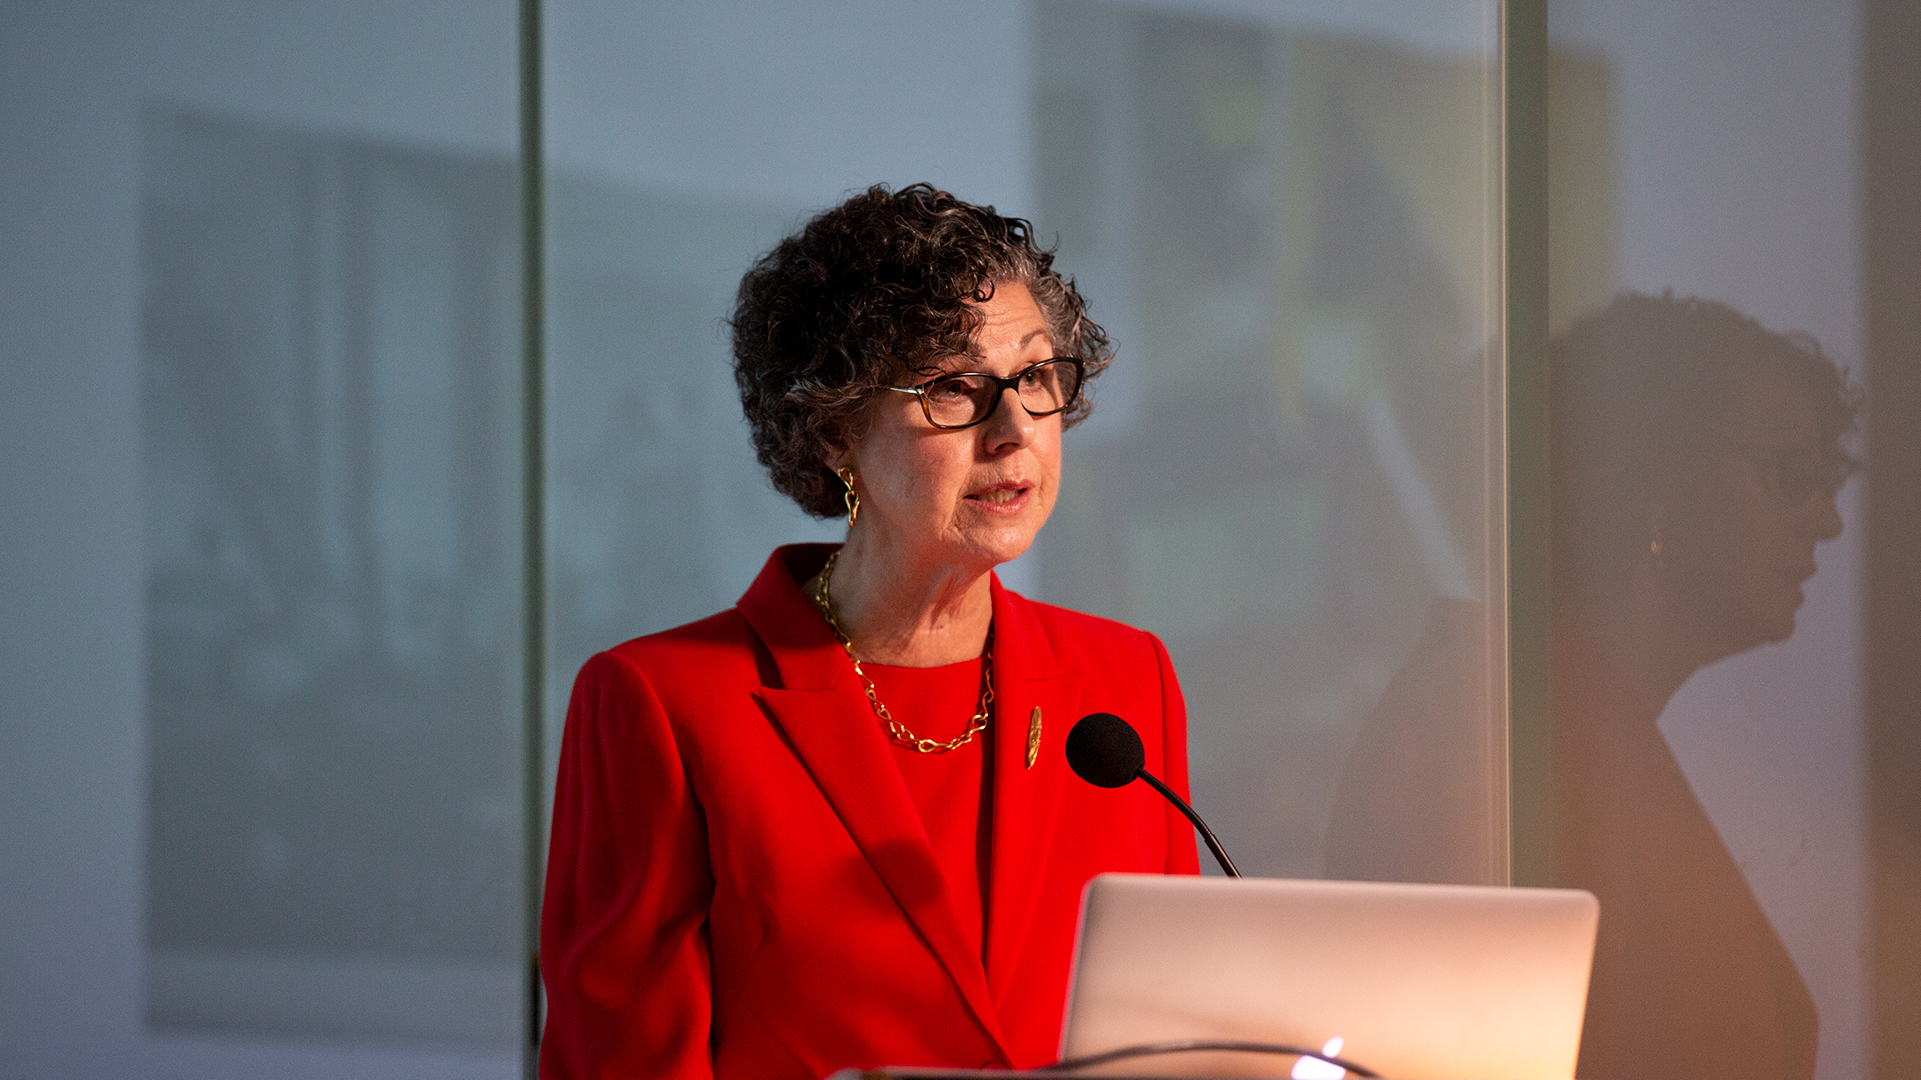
[1583, 229]
[1292, 473]
[329, 418]
[658, 511]
[258, 806]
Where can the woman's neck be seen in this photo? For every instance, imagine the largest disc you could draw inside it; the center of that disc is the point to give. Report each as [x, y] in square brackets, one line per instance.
[909, 612]
[1631, 647]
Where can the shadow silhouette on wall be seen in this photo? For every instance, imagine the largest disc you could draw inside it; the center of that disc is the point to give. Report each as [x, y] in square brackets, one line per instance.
[1696, 461]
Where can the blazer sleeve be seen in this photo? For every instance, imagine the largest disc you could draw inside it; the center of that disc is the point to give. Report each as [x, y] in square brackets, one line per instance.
[624, 943]
[1182, 857]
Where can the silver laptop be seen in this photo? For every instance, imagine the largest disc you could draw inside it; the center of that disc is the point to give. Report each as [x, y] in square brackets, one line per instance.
[1413, 982]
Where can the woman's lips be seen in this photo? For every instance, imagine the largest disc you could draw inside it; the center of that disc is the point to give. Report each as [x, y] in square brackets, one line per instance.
[1007, 495]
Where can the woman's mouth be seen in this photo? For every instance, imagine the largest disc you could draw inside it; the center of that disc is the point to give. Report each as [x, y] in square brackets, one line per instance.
[1004, 494]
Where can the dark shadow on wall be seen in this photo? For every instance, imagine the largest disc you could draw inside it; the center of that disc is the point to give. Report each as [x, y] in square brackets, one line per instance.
[1696, 459]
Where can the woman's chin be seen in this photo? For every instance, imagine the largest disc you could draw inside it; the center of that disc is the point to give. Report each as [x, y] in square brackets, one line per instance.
[996, 537]
[991, 547]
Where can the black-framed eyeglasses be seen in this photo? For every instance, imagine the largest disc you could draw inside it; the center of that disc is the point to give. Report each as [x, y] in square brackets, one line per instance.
[966, 398]
[1791, 474]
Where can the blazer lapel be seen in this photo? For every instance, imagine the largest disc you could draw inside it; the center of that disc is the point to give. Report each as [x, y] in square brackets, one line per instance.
[1025, 799]
[826, 718]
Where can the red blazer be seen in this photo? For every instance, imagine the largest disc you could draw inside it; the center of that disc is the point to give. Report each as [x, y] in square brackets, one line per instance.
[739, 885]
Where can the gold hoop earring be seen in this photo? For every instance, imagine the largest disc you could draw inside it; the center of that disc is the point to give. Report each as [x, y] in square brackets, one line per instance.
[852, 497]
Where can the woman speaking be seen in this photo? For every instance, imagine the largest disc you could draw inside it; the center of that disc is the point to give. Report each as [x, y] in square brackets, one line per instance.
[833, 826]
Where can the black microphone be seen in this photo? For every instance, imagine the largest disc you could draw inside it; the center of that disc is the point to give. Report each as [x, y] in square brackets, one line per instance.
[1106, 751]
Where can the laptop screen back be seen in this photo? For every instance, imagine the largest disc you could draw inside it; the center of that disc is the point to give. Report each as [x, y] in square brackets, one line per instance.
[1445, 982]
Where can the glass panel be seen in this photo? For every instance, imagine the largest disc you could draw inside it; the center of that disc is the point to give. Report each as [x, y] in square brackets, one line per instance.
[330, 391]
[657, 510]
[260, 328]
[1286, 216]
[1291, 227]
[1709, 723]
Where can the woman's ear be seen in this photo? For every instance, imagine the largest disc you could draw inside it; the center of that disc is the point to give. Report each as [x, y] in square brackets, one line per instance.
[841, 448]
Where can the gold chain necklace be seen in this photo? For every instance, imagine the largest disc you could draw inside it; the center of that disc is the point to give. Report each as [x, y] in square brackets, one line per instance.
[895, 729]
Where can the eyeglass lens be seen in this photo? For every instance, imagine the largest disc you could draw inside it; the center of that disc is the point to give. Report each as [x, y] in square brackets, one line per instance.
[961, 400]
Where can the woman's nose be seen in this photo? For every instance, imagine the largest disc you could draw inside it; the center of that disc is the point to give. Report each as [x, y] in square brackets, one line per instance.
[1011, 424]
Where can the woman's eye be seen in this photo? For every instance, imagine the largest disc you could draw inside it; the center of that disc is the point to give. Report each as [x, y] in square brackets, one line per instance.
[948, 390]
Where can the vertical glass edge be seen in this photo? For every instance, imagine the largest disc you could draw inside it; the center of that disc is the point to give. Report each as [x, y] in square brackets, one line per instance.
[533, 551]
[1523, 75]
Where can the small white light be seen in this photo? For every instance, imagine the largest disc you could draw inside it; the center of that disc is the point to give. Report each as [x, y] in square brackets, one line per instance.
[1308, 1068]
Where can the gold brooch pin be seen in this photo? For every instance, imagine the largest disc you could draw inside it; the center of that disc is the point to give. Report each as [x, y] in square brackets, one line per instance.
[1034, 736]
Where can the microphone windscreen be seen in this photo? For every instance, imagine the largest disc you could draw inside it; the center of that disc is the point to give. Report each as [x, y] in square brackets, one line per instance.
[1105, 750]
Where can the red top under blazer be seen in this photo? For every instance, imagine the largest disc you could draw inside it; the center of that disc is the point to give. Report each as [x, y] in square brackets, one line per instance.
[739, 885]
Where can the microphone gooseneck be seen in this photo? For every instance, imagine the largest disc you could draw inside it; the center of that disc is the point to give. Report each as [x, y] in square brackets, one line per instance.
[1106, 751]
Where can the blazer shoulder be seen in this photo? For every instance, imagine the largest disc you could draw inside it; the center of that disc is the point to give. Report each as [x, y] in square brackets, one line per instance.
[714, 645]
